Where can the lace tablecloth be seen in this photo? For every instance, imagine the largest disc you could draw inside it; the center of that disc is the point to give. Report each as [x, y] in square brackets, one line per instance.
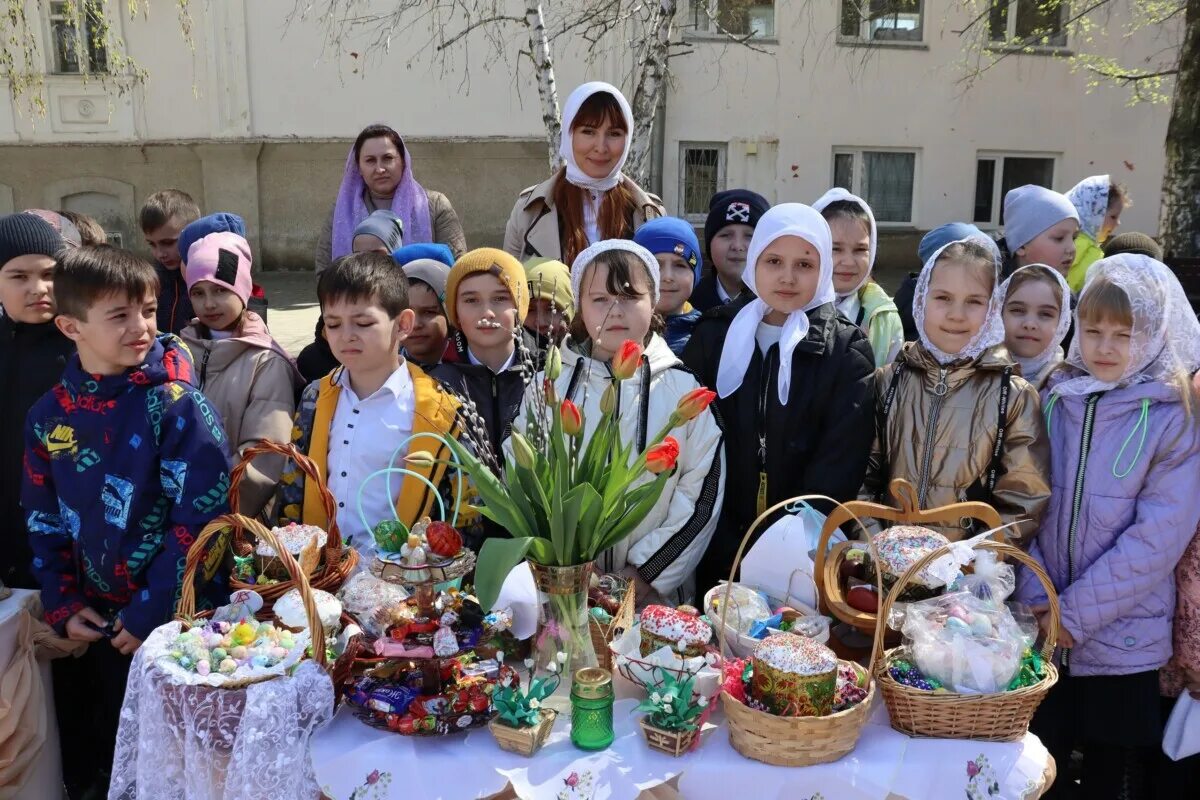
[355, 762]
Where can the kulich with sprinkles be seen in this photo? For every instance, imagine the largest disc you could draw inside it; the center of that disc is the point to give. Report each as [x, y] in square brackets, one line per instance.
[794, 676]
[292, 537]
[900, 547]
[683, 631]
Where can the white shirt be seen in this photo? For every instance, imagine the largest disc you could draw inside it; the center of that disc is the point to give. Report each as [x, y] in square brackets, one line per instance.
[511, 357]
[592, 199]
[767, 335]
[722, 295]
[362, 438]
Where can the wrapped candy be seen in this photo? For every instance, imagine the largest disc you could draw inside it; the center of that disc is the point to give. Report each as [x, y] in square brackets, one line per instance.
[907, 674]
[991, 580]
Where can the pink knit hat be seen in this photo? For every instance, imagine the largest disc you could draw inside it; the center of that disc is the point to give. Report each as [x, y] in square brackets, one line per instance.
[222, 258]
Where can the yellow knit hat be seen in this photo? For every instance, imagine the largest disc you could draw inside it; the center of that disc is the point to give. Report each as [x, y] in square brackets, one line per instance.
[551, 280]
[497, 262]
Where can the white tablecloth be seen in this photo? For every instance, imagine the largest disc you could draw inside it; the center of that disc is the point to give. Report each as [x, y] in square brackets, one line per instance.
[46, 779]
[356, 761]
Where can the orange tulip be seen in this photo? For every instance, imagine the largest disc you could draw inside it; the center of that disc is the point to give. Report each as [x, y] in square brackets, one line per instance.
[694, 403]
[572, 420]
[627, 359]
[662, 457]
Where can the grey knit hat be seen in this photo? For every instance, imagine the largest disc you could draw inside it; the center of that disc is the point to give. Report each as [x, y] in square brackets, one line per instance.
[25, 235]
[1031, 209]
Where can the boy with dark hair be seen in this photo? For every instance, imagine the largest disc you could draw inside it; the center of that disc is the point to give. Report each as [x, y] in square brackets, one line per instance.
[351, 421]
[163, 217]
[125, 462]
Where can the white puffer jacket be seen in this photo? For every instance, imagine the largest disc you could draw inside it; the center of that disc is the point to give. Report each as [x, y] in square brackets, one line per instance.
[667, 546]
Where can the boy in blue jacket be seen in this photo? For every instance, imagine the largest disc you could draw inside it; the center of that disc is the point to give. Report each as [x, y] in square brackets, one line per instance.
[125, 462]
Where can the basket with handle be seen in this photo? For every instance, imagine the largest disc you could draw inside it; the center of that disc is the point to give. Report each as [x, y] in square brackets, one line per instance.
[185, 611]
[996, 717]
[831, 587]
[603, 633]
[337, 558]
[790, 741]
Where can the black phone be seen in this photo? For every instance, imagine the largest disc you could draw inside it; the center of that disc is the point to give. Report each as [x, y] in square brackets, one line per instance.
[106, 631]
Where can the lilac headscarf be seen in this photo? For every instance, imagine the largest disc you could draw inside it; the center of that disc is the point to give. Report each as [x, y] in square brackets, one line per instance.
[409, 203]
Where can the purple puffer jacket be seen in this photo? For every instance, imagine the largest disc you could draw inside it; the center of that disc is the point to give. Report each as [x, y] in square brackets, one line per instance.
[1115, 576]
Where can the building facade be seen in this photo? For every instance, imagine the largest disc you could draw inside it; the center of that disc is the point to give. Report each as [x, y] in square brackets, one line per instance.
[256, 116]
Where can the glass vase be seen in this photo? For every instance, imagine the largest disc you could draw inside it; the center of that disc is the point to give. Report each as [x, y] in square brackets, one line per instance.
[563, 616]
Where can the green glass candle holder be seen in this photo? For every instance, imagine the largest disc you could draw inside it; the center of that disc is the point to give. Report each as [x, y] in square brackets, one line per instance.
[592, 709]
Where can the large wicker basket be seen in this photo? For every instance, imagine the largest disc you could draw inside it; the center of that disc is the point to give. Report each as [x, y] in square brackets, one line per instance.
[831, 586]
[185, 611]
[337, 559]
[790, 741]
[997, 717]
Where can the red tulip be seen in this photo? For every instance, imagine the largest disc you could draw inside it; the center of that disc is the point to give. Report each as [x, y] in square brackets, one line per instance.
[694, 403]
[662, 457]
[626, 360]
[572, 420]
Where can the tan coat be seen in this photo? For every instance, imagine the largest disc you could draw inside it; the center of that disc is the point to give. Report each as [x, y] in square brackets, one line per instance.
[252, 383]
[447, 229]
[533, 225]
[942, 457]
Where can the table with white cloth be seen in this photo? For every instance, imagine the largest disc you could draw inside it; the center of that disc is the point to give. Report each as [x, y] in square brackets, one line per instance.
[356, 761]
[28, 730]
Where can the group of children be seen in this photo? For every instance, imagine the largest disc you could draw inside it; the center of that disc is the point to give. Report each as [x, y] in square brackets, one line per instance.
[122, 434]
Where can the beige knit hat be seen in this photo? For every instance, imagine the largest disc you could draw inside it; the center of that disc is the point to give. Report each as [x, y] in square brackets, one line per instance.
[498, 263]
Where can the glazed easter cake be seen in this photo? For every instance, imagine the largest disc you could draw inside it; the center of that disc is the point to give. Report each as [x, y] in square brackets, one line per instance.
[292, 537]
[794, 676]
[899, 548]
[681, 630]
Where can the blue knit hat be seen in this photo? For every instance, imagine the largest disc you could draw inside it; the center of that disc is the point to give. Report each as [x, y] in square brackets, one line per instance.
[413, 252]
[672, 235]
[221, 222]
[27, 235]
[943, 235]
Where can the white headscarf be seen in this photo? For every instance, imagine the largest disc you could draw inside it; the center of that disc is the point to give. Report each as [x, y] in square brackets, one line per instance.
[786, 219]
[1166, 334]
[575, 175]
[1030, 367]
[990, 334]
[846, 302]
[584, 259]
[1090, 198]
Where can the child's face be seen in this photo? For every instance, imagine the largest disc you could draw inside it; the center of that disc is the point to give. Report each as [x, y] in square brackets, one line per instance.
[851, 253]
[956, 306]
[369, 243]
[610, 318]
[1104, 346]
[362, 336]
[215, 306]
[597, 149]
[117, 333]
[728, 251]
[676, 281]
[486, 313]
[1054, 246]
[27, 288]
[427, 342]
[1031, 316]
[546, 319]
[164, 242]
[787, 274]
[1112, 219]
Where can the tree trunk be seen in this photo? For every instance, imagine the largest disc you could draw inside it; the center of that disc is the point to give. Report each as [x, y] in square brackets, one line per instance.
[543, 69]
[652, 75]
[1179, 225]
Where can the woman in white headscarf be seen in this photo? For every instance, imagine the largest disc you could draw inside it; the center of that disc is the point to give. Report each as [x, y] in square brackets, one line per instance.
[793, 380]
[948, 398]
[1037, 316]
[588, 199]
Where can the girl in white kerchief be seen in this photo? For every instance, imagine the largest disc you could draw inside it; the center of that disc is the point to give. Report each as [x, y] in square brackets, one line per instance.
[793, 379]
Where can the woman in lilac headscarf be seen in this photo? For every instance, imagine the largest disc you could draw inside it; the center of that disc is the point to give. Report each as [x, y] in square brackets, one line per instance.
[379, 176]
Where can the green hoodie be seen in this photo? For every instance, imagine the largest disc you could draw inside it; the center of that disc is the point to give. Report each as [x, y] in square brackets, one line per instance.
[881, 322]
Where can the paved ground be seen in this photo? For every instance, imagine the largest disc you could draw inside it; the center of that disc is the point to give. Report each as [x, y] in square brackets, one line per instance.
[293, 309]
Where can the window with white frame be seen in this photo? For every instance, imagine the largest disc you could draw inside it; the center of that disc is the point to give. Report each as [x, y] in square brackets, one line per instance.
[1028, 23]
[882, 20]
[701, 175]
[998, 173]
[77, 45]
[754, 18]
[886, 179]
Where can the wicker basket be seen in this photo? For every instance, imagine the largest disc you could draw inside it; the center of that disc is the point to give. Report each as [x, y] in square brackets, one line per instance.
[185, 612]
[791, 741]
[337, 560]
[603, 633]
[997, 717]
[831, 587]
[673, 743]
[524, 741]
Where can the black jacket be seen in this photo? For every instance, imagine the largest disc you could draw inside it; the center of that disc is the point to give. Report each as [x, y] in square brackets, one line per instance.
[904, 304]
[817, 444]
[174, 303]
[32, 358]
[705, 295]
[316, 360]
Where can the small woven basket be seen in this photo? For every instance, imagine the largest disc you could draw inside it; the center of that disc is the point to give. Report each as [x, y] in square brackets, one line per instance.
[996, 717]
[603, 633]
[524, 741]
[673, 743]
[337, 561]
[185, 612]
[790, 741]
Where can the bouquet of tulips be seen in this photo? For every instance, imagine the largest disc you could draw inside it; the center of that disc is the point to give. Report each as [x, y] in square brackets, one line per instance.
[564, 502]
